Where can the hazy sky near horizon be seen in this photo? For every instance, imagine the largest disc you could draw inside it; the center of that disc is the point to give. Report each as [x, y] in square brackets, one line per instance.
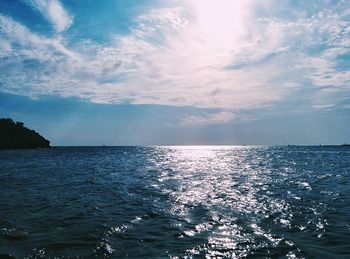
[87, 72]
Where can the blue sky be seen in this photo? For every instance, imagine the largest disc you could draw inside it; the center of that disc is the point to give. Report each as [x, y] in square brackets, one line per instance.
[133, 72]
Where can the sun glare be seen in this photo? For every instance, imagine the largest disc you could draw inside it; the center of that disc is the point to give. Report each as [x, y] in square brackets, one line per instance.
[220, 21]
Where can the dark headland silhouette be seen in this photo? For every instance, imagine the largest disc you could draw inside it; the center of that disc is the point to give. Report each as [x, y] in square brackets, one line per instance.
[14, 135]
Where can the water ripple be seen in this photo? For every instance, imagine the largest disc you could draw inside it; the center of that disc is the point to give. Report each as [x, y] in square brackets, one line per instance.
[176, 202]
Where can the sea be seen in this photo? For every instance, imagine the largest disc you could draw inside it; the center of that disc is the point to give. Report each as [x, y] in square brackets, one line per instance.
[175, 202]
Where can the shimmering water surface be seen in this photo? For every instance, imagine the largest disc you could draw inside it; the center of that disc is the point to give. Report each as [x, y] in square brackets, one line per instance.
[177, 202]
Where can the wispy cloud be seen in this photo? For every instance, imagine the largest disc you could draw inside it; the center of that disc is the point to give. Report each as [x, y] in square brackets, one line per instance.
[208, 119]
[230, 55]
[54, 12]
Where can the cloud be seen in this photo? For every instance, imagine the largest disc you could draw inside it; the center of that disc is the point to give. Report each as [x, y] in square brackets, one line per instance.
[196, 54]
[323, 106]
[31, 60]
[5, 46]
[54, 12]
[209, 119]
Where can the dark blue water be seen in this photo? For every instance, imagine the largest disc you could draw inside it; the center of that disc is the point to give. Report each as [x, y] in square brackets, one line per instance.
[176, 202]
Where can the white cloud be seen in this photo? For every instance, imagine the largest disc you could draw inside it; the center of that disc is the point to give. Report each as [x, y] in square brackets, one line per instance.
[213, 118]
[34, 59]
[5, 46]
[174, 56]
[323, 106]
[54, 12]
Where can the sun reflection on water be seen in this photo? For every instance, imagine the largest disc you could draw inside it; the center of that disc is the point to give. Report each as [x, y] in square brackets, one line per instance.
[227, 201]
[178, 202]
[220, 183]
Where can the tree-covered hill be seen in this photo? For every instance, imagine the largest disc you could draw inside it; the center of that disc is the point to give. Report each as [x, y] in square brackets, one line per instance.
[15, 135]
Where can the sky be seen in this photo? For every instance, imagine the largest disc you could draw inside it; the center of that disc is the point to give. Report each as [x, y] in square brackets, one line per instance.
[185, 72]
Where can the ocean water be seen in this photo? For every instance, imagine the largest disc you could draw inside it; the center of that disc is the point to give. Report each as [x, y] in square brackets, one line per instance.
[175, 202]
